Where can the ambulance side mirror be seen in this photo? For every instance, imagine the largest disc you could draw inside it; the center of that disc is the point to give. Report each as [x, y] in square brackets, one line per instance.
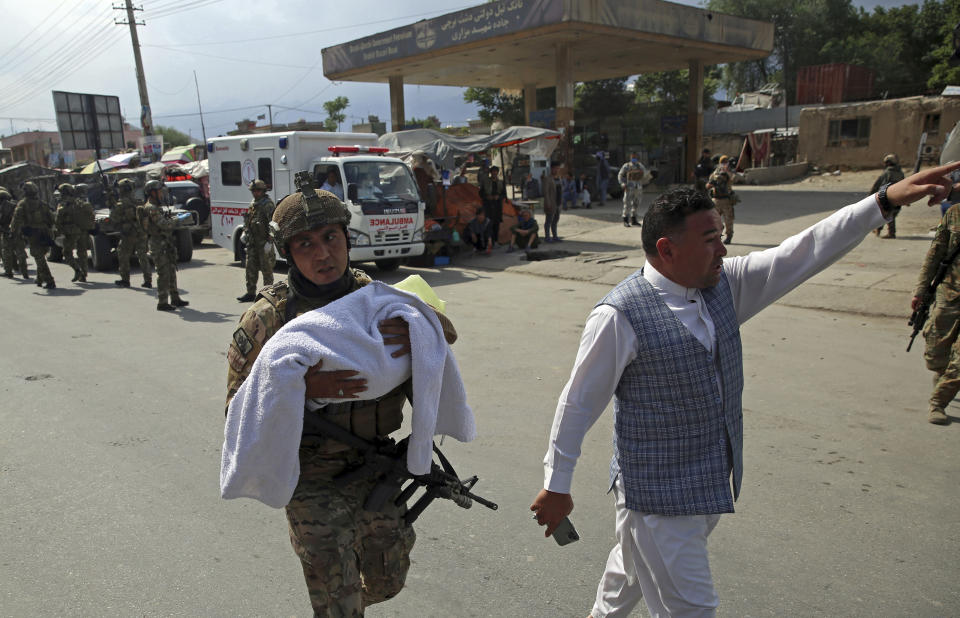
[352, 192]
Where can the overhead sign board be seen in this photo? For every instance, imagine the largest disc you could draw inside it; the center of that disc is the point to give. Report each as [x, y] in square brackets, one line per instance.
[88, 121]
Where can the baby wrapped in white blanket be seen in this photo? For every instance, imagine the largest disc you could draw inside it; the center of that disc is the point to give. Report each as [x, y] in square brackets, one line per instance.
[265, 418]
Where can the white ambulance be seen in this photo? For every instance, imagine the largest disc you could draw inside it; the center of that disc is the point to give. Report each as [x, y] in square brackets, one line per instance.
[381, 192]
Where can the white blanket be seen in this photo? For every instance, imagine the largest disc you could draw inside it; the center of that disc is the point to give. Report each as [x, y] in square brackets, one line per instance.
[265, 418]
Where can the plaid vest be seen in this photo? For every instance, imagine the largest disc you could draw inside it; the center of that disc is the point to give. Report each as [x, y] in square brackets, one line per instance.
[676, 440]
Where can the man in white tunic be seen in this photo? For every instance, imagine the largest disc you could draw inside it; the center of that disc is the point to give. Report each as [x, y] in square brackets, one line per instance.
[665, 344]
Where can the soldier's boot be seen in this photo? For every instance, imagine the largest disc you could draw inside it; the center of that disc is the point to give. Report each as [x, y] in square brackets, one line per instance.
[633, 221]
[76, 273]
[937, 416]
[176, 301]
[146, 284]
[728, 239]
[163, 305]
[124, 283]
[8, 274]
[248, 297]
[50, 285]
[626, 222]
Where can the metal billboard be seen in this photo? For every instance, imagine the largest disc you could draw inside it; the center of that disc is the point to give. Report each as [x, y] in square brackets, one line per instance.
[88, 121]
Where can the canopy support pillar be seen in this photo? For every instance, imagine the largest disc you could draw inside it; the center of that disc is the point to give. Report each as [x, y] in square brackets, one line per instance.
[397, 117]
[694, 119]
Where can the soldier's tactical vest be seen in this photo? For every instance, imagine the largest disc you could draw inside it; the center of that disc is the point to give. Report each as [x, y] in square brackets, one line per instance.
[676, 438]
[366, 418]
[721, 185]
[6, 214]
[68, 217]
[33, 213]
[124, 216]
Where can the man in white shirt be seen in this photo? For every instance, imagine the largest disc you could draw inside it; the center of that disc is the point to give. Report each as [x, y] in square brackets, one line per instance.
[665, 342]
[332, 184]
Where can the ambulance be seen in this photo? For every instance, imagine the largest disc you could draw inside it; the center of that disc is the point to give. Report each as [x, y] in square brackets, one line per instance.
[381, 192]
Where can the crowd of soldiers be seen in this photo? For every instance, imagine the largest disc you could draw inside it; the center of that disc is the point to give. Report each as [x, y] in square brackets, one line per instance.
[32, 224]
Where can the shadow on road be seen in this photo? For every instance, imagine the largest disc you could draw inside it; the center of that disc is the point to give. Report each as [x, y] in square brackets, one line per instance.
[213, 317]
[762, 208]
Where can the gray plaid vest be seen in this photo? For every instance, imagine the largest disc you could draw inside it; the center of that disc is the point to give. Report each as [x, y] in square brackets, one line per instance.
[675, 439]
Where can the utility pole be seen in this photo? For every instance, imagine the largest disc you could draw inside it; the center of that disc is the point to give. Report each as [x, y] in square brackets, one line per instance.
[146, 119]
[270, 111]
[203, 129]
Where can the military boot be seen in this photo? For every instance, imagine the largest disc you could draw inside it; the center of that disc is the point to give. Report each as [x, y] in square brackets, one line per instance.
[165, 306]
[626, 222]
[50, 285]
[937, 416]
[179, 302]
[146, 284]
[123, 283]
[248, 297]
[8, 275]
[76, 274]
[728, 239]
[633, 221]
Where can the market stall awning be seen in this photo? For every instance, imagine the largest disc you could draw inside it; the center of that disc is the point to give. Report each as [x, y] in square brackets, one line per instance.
[179, 154]
[442, 147]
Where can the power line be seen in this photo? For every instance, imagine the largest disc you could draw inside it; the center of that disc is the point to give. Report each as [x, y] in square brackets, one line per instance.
[272, 64]
[12, 64]
[309, 32]
[222, 111]
[181, 9]
[42, 82]
[16, 46]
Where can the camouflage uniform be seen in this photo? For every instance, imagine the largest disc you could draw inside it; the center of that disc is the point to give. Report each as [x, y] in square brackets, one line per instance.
[722, 196]
[86, 221]
[11, 245]
[942, 353]
[162, 250]
[133, 238]
[68, 226]
[351, 558]
[256, 227]
[891, 174]
[33, 220]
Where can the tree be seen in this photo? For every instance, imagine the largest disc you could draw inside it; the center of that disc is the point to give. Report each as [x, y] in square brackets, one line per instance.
[430, 122]
[602, 98]
[171, 137]
[335, 114]
[495, 105]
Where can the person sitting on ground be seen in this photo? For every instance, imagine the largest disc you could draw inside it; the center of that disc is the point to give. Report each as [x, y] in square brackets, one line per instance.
[333, 184]
[524, 233]
[479, 233]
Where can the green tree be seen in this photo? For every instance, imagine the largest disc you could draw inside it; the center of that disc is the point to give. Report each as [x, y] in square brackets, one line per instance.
[602, 98]
[335, 114]
[430, 122]
[496, 105]
[942, 74]
[171, 137]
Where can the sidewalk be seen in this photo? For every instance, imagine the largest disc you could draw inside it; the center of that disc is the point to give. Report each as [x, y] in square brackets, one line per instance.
[877, 278]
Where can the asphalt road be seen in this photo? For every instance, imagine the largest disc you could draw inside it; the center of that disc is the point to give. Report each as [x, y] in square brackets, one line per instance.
[112, 423]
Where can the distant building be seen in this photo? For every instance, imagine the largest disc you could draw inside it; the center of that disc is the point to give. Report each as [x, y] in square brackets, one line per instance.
[247, 126]
[43, 147]
[858, 135]
[373, 125]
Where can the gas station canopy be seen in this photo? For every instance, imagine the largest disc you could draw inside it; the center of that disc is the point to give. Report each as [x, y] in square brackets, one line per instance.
[512, 43]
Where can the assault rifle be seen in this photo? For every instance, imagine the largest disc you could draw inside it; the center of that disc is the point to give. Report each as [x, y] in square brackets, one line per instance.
[919, 316]
[385, 459]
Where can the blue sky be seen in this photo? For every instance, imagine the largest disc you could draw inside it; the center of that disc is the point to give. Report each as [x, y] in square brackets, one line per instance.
[73, 45]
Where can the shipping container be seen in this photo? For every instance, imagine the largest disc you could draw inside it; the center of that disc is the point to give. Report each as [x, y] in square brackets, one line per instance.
[834, 83]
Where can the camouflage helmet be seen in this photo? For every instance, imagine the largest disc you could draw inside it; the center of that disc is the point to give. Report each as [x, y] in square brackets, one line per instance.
[891, 159]
[66, 190]
[30, 189]
[307, 209]
[125, 185]
[257, 185]
[80, 189]
[5, 195]
[151, 185]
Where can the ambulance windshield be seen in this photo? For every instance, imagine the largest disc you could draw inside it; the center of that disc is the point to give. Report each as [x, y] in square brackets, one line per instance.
[381, 181]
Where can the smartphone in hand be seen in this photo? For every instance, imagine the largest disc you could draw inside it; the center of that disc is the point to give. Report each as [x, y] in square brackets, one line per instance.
[565, 532]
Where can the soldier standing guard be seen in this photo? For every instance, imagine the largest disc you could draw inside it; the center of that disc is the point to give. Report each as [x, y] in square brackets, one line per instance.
[351, 557]
[11, 246]
[132, 235]
[257, 238]
[942, 353]
[631, 178]
[722, 195]
[493, 191]
[86, 222]
[891, 174]
[160, 232]
[67, 226]
[32, 219]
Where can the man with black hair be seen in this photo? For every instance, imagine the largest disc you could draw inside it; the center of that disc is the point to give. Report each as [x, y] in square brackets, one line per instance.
[665, 344]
